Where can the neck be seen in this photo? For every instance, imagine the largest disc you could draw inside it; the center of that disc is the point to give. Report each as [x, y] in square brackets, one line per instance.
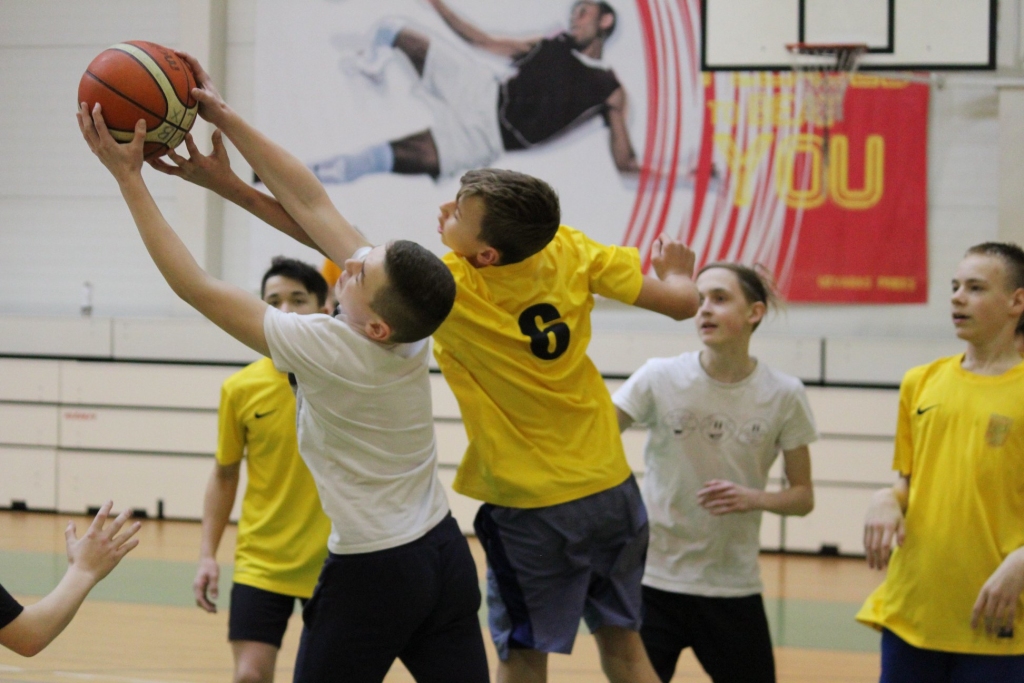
[728, 363]
[595, 49]
[992, 357]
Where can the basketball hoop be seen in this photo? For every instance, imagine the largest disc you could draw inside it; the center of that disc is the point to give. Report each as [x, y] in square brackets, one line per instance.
[825, 69]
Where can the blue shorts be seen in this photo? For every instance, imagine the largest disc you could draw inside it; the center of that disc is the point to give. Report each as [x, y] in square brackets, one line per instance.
[904, 663]
[549, 567]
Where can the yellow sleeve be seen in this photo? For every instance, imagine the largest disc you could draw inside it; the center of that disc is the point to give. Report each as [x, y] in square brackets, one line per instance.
[614, 271]
[230, 430]
[903, 453]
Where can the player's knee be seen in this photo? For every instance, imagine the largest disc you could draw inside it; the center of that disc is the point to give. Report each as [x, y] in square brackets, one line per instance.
[247, 672]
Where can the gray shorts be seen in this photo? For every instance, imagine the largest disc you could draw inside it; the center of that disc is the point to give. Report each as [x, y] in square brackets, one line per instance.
[549, 567]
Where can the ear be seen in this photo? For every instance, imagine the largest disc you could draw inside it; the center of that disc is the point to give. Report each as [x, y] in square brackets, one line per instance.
[606, 22]
[377, 330]
[488, 256]
[757, 312]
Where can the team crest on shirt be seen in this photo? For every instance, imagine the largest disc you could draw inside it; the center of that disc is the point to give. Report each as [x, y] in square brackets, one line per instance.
[682, 422]
[717, 428]
[998, 429]
[754, 432]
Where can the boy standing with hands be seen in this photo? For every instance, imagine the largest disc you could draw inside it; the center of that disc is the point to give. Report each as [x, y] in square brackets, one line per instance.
[950, 607]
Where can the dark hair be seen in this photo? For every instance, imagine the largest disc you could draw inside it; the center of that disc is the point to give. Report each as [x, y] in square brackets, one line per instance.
[521, 213]
[755, 283]
[419, 293]
[299, 271]
[1013, 258]
[604, 8]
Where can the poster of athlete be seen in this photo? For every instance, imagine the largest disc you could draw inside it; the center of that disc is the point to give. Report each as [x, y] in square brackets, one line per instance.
[389, 101]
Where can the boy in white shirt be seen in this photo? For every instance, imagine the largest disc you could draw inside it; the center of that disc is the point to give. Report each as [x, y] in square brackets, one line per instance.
[400, 581]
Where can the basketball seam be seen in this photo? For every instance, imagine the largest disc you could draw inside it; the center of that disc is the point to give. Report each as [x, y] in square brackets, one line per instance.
[145, 67]
[164, 119]
[167, 105]
[126, 97]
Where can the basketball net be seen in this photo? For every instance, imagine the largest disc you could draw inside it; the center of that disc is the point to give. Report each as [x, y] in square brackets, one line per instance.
[824, 70]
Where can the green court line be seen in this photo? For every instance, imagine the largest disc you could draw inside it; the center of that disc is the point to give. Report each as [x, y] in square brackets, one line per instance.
[814, 624]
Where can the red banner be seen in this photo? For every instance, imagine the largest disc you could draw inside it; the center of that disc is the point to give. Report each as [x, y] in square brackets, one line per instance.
[837, 216]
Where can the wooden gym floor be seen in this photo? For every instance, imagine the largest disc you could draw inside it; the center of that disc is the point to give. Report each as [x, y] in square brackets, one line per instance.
[140, 625]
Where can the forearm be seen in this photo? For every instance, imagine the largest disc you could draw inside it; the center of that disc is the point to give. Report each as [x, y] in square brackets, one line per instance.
[797, 500]
[675, 296]
[300, 194]
[270, 211]
[172, 258]
[40, 623]
[217, 504]
[465, 30]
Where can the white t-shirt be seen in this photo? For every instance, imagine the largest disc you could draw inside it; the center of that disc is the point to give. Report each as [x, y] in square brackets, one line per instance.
[702, 429]
[365, 427]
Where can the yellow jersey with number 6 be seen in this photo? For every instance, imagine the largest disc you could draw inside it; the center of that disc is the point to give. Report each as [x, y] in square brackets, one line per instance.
[541, 425]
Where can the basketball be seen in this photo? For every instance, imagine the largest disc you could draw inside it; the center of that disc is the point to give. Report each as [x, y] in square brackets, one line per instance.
[141, 80]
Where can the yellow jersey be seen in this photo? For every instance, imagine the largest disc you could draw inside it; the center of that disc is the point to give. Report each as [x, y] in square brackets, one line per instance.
[282, 533]
[541, 425]
[960, 439]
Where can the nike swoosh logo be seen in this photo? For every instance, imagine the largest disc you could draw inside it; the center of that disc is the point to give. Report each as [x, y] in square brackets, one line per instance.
[259, 415]
[922, 411]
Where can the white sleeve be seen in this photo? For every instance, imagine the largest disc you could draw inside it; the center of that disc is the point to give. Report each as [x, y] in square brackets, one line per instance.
[635, 397]
[798, 428]
[302, 344]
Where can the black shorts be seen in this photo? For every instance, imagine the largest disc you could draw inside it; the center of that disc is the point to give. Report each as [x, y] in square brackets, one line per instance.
[259, 615]
[729, 636]
[418, 602]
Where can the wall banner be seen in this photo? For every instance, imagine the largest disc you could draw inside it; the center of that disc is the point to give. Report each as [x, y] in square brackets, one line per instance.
[724, 161]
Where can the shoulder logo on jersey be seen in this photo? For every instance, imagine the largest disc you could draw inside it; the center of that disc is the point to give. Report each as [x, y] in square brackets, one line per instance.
[549, 336]
[923, 410]
[259, 414]
[998, 429]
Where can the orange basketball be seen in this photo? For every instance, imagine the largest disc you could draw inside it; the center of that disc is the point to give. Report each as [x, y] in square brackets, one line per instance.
[139, 80]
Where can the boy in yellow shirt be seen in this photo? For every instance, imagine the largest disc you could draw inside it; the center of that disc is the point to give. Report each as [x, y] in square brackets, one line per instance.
[950, 608]
[282, 533]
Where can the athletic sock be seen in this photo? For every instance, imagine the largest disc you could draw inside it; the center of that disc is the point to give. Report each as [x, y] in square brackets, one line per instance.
[386, 32]
[345, 168]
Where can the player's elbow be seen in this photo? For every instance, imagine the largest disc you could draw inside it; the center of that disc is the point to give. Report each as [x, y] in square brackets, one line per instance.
[805, 503]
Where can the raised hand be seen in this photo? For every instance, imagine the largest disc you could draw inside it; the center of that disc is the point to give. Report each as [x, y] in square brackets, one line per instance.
[212, 106]
[671, 257]
[99, 550]
[122, 160]
[212, 171]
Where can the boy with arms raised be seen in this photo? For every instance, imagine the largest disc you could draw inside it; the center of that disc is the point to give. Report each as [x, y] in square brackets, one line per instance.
[399, 581]
[950, 607]
[282, 533]
[544, 451]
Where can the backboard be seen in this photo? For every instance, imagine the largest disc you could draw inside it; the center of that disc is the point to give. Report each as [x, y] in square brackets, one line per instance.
[918, 35]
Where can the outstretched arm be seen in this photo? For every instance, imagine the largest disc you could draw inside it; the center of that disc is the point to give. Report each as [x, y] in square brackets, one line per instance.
[90, 558]
[287, 178]
[622, 149]
[213, 171]
[234, 310]
[501, 46]
[672, 292]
